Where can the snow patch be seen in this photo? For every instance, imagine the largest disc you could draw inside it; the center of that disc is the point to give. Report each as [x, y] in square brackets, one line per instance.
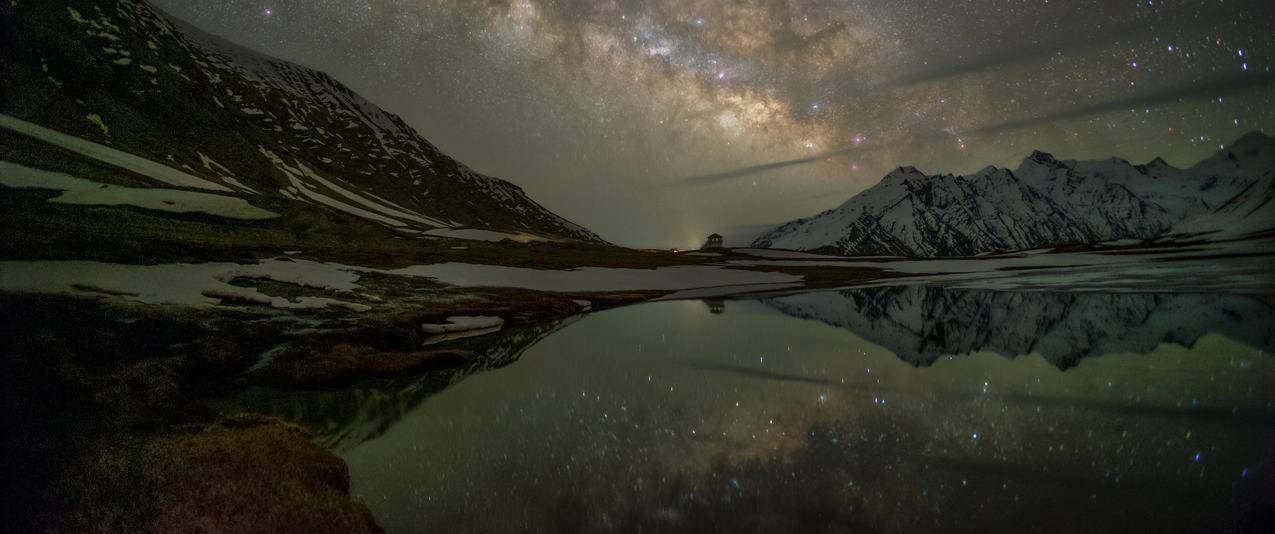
[474, 234]
[461, 323]
[87, 192]
[439, 338]
[97, 119]
[300, 188]
[401, 214]
[224, 173]
[782, 254]
[197, 285]
[109, 155]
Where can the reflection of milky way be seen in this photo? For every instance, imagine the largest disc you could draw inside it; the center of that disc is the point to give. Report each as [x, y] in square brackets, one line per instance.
[599, 107]
[666, 417]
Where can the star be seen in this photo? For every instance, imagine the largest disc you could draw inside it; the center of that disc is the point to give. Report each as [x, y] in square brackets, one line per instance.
[650, 95]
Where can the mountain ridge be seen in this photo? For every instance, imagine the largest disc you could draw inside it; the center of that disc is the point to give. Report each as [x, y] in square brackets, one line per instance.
[1045, 201]
[123, 74]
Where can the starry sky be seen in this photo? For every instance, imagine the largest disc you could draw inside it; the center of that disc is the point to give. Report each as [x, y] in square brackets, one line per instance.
[657, 122]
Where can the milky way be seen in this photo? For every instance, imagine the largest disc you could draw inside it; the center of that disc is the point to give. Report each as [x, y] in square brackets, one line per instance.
[657, 122]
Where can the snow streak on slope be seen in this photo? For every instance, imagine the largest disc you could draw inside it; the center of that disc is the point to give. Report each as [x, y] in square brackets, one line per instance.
[105, 154]
[87, 192]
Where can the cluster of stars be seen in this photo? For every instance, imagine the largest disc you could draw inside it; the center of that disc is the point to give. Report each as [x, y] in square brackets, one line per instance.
[597, 108]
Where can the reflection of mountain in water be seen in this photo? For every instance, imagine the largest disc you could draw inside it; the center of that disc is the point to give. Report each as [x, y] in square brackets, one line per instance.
[344, 417]
[922, 323]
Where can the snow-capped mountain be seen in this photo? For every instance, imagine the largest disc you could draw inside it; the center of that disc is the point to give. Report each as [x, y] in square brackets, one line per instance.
[920, 324]
[119, 74]
[1046, 202]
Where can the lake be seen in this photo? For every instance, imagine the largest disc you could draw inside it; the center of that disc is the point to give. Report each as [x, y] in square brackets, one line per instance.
[889, 409]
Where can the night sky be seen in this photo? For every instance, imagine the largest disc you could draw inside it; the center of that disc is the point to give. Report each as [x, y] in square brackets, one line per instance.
[657, 122]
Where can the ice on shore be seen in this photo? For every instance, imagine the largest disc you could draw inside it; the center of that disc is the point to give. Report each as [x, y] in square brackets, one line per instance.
[182, 284]
[208, 284]
[593, 278]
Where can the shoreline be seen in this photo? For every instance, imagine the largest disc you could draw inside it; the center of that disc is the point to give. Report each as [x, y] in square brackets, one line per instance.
[108, 391]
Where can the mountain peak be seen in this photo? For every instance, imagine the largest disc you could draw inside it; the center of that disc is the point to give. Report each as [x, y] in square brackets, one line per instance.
[1253, 154]
[902, 174]
[1039, 166]
[1253, 138]
[1158, 168]
[1043, 158]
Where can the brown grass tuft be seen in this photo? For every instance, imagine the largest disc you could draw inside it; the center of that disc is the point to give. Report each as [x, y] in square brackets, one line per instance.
[248, 474]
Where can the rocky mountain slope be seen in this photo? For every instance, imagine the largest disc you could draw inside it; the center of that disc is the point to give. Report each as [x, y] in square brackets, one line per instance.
[1047, 202]
[118, 81]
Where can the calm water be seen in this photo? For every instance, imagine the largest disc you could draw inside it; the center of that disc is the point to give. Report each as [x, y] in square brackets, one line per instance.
[891, 409]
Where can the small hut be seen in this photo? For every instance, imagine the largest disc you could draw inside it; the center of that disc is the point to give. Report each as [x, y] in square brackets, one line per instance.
[714, 241]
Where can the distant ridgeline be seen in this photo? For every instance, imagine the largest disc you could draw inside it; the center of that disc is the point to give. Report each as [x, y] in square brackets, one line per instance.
[1047, 202]
[119, 74]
